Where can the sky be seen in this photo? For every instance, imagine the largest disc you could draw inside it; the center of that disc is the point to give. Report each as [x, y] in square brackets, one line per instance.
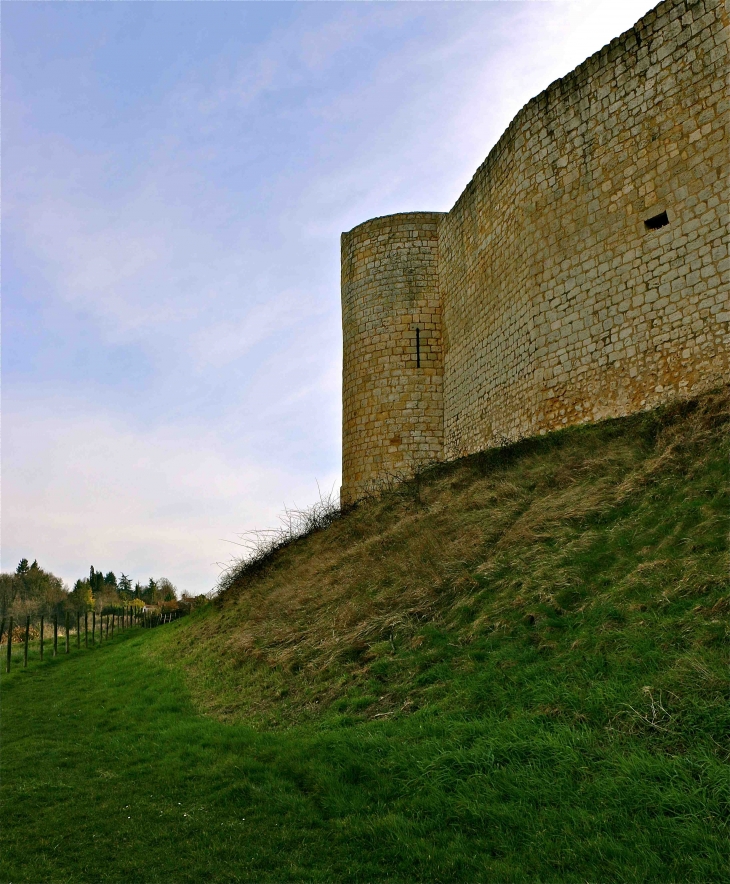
[175, 180]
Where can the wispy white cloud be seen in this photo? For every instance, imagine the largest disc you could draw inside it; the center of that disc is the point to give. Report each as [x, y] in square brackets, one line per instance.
[88, 488]
[206, 243]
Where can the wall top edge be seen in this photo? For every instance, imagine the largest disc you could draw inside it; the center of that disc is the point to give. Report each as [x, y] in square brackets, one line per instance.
[558, 89]
[571, 82]
[401, 217]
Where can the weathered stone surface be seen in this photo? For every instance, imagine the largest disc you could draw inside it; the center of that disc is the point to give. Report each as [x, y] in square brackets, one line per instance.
[392, 394]
[542, 297]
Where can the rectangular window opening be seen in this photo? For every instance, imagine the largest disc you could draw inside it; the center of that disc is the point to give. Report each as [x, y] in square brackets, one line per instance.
[418, 348]
[657, 221]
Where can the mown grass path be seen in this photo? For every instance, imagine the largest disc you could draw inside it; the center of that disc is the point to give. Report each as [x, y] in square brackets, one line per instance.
[109, 774]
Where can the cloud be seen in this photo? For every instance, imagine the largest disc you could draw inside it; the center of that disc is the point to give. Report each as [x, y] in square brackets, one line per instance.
[87, 489]
[197, 232]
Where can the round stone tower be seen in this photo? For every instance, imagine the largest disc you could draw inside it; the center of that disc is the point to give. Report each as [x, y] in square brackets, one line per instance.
[392, 391]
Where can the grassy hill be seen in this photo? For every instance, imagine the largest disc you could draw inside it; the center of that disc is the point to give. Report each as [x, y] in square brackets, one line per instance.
[513, 668]
[566, 577]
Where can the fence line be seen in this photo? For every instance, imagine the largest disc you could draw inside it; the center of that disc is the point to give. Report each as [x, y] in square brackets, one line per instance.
[128, 618]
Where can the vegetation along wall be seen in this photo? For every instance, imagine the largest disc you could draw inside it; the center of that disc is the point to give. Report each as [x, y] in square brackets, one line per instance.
[582, 274]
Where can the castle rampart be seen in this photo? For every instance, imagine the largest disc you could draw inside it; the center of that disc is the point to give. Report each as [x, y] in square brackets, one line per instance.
[582, 274]
[393, 364]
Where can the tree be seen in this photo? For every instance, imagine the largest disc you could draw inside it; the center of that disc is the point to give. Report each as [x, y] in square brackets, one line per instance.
[191, 602]
[96, 580]
[125, 586]
[111, 579]
[150, 592]
[31, 591]
[82, 598]
[9, 585]
[166, 591]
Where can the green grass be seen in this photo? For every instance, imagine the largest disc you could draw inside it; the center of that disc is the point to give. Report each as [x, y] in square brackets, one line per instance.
[513, 669]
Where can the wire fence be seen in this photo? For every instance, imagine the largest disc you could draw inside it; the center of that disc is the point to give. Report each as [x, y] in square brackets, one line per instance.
[95, 629]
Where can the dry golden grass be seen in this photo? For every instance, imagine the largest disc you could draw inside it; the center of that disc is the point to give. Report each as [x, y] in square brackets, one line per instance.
[464, 547]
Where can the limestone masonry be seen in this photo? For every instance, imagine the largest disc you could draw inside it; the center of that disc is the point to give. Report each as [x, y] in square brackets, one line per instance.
[582, 274]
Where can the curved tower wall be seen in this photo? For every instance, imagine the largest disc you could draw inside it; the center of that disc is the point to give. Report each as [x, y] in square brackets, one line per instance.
[559, 304]
[583, 273]
[392, 354]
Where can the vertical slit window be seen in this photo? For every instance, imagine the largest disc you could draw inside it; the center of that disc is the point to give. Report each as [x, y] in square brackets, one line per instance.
[418, 348]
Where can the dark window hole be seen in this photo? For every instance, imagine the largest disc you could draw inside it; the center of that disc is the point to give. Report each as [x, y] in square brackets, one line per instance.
[657, 221]
[418, 348]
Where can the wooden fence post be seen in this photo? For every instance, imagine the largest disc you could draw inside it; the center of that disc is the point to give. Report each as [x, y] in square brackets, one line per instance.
[10, 643]
[93, 627]
[86, 629]
[55, 634]
[78, 629]
[27, 636]
[67, 645]
[41, 636]
[106, 636]
[2, 629]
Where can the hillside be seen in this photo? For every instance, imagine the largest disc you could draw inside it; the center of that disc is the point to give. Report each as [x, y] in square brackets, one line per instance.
[511, 669]
[579, 577]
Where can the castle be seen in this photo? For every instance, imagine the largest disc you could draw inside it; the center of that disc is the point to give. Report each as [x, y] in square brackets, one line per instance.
[582, 273]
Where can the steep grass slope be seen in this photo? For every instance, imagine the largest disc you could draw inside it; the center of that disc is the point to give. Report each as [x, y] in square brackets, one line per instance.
[580, 577]
[513, 669]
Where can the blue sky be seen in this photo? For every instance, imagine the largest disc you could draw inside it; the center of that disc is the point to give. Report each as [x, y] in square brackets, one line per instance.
[175, 179]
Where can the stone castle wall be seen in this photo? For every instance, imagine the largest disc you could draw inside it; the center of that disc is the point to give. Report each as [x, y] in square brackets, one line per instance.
[557, 304]
[393, 364]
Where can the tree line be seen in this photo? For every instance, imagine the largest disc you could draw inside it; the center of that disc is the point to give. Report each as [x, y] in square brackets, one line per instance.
[31, 591]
